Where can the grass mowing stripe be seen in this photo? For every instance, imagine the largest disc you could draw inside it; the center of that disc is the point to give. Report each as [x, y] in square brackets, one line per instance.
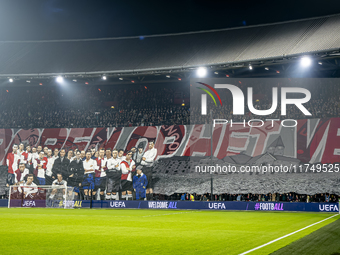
[322, 241]
[278, 239]
[79, 215]
[126, 231]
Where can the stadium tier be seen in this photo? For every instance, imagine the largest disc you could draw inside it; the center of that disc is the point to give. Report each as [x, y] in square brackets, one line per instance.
[140, 105]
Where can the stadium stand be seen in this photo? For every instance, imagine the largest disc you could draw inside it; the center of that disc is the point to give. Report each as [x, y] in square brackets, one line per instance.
[52, 107]
[136, 105]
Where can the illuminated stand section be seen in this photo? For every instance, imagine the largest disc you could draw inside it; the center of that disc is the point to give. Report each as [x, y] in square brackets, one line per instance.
[55, 196]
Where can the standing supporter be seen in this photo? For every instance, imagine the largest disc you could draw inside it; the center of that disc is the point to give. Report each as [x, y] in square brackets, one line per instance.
[27, 155]
[76, 173]
[21, 149]
[137, 157]
[49, 166]
[139, 183]
[108, 154]
[127, 166]
[45, 151]
[121, 154]
[113, 176]
[61, 165]
[100, 174]
[96, 154]
[70, 155]
[83, 155]
[134, 151]
[147, 163]
[89, 167]
[93, 153]
[35, 154]
[39, 166]
[12, 162]
[55, 153]
[39, 149]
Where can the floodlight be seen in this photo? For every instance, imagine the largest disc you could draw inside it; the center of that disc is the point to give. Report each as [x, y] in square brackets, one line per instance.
[59, 79]
[306, 61]
[201, 72]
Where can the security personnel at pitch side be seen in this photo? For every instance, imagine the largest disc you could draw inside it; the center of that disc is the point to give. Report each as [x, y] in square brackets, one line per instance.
[139, 183]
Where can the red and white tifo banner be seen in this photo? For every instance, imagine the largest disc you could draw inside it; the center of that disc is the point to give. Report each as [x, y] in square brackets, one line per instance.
[312, 140]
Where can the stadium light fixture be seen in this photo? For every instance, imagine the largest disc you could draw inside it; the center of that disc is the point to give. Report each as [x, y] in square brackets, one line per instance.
[104, 77]
[305, 61]
[10, 80]
[201, 72]
[59, 79]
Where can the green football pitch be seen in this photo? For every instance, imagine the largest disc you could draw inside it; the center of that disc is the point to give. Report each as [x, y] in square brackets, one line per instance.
[119, 231]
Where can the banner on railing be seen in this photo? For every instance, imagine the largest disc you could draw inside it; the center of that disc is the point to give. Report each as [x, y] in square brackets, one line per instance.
[195, 205]
[311, 141]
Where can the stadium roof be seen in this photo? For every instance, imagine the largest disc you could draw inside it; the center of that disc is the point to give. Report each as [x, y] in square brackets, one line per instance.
[171, 51]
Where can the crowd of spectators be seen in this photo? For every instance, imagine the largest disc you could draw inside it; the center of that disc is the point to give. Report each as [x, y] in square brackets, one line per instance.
[274, 197]
[139, 105]
[105, 106]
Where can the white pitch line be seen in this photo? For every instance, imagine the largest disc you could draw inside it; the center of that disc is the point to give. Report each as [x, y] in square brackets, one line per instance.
[111, 216]
[263, 245]
[66, 215]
